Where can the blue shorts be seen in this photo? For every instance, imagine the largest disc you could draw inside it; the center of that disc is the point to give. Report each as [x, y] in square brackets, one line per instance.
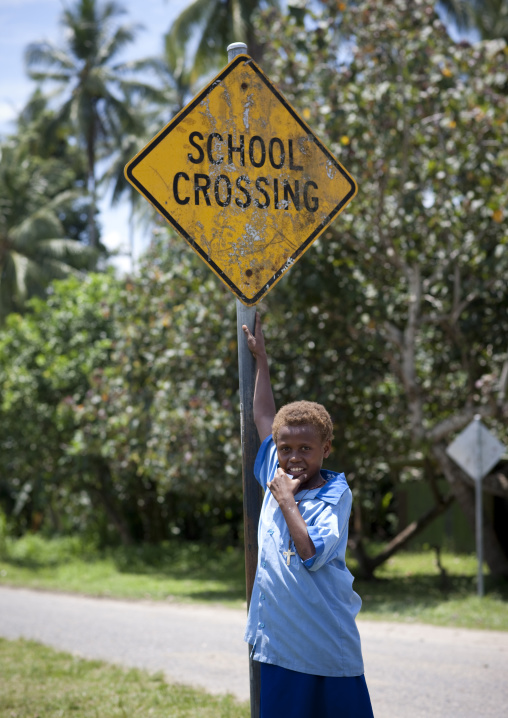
[300, 695]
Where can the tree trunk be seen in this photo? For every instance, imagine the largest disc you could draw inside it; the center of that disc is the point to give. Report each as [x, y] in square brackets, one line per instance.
[91, 180]
[151, 518]
[494, 555]
[368, 564]
[106, 502]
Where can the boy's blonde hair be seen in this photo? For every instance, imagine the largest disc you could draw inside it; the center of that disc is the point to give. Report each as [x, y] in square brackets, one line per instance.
[299, 413]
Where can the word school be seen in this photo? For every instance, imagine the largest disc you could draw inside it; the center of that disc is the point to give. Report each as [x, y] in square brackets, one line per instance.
[261, 192]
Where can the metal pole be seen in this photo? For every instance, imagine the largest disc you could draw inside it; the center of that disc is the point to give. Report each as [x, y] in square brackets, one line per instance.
[250, 445]
[251, 489]
[236, 48]
[479, 510]
[479, 533]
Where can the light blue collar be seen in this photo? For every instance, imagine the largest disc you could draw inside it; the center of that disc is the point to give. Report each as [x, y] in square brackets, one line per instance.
[331, 492]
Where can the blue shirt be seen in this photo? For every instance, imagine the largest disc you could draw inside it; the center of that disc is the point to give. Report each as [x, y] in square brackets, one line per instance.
[302, 616]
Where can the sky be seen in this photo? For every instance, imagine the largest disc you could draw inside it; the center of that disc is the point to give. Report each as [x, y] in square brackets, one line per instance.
[26, 21]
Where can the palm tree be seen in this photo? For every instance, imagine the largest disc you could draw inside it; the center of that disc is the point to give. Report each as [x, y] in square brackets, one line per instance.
[174, 76]
[92, 83]
[488, 17]
[115, 178]
[212, 25]
[34, 247]
[459, 11]
[175, 72]
[491, 19]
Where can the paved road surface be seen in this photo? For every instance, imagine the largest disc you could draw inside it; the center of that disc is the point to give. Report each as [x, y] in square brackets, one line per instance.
[413, 671]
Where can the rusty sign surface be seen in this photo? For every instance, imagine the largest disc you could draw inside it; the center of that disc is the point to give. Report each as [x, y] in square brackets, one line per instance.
[243, 179]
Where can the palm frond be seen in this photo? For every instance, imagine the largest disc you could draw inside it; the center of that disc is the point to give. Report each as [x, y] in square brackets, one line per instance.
[41, 225]
[63, 199]
[45, 54]
[123, 36]
[460, 12]
[58, 77]
[21, 266]
[194, 16]
[75, 254]
[56, 269]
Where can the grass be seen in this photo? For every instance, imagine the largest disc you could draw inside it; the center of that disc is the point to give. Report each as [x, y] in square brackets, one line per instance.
[40, 682]
[409, 587]
[186, 572]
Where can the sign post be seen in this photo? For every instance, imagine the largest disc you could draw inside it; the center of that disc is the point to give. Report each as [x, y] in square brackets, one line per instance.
[476, 450]
[249, 186]
[252, 497]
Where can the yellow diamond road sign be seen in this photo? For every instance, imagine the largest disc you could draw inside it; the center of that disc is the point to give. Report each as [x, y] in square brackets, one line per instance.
[243, 179]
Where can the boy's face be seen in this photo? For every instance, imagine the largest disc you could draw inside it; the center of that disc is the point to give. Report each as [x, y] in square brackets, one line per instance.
[301, 451]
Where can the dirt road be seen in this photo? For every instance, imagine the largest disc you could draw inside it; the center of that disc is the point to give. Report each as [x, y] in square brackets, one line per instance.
[413, 671]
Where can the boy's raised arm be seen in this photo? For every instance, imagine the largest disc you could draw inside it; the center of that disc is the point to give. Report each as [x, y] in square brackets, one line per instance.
[264, 403]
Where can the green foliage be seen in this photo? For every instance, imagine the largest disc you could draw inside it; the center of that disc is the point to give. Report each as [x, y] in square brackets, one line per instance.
[3, 535]
[45, 359]
[408, 288]
[162, 416]
[40, 208]
[118, 406]
[34, 551]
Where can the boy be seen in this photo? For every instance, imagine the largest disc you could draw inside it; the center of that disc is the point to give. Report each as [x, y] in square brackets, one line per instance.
[301, 620]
